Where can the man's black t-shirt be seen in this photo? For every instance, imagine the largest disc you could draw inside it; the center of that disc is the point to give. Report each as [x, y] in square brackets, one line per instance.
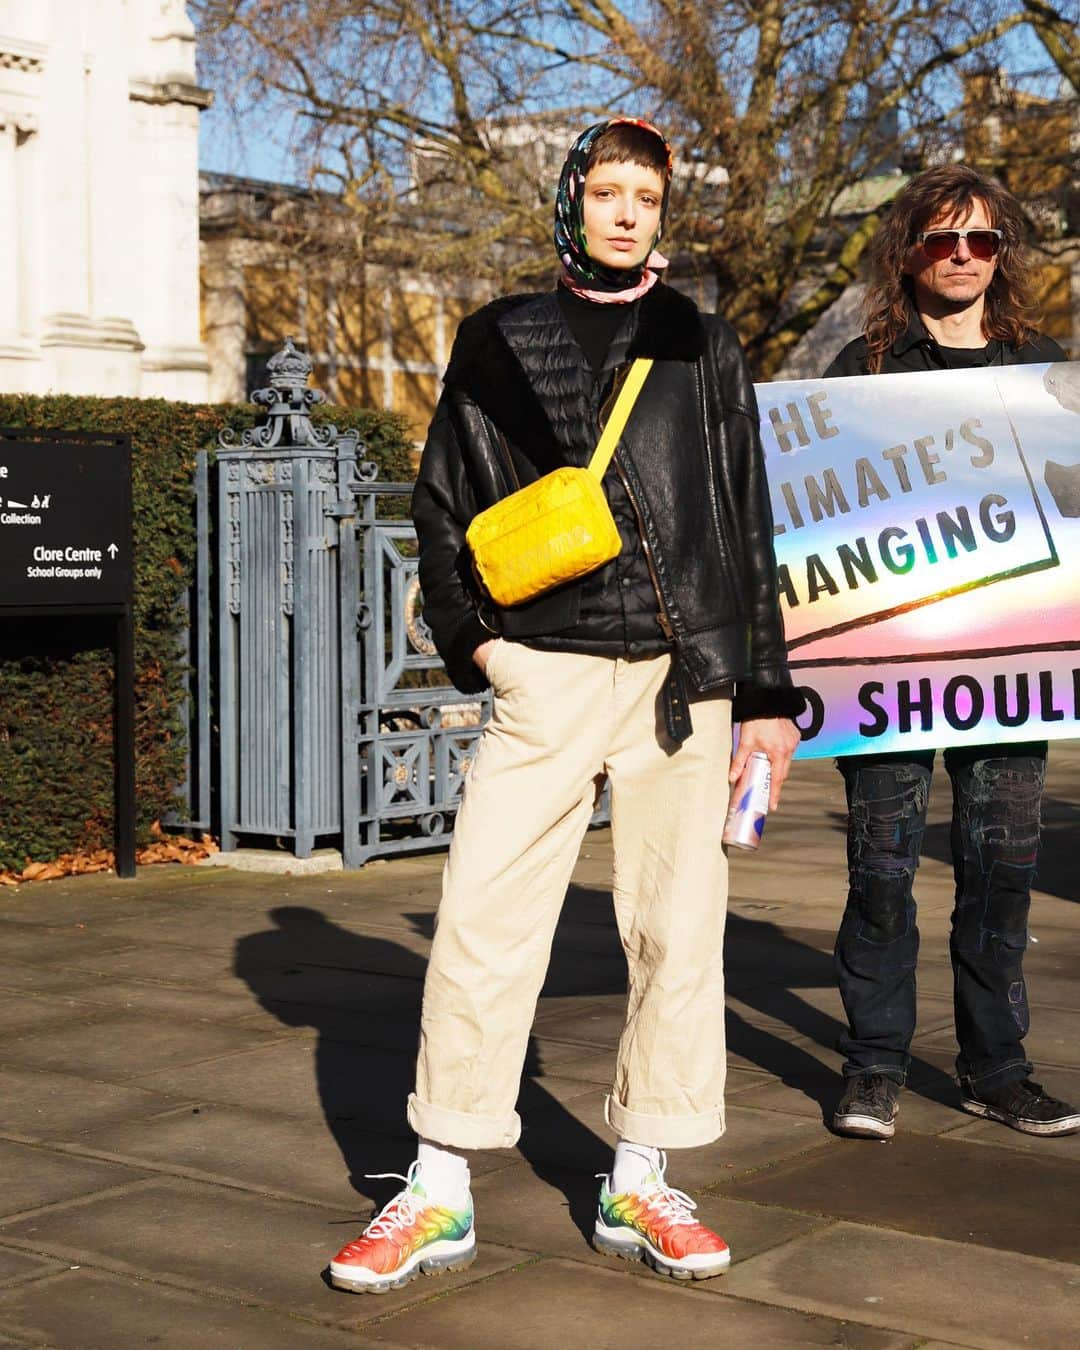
[915, 350]
[970, 358]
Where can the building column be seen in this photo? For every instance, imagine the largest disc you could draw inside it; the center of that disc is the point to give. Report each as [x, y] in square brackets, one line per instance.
[9, 232]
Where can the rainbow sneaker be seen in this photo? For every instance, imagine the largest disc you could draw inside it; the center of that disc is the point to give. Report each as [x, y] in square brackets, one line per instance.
[656, 1224]
[408, 1237]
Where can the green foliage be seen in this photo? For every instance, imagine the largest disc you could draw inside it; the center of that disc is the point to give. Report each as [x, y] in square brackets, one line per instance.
[56, 675]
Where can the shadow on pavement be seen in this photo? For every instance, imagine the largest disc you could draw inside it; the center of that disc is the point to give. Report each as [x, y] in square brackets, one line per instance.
[361, 994]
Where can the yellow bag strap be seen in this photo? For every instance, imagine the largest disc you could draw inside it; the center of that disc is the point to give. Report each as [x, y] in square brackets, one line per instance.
[620, 414]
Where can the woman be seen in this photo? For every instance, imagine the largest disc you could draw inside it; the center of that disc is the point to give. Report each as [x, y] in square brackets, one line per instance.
[627, 673]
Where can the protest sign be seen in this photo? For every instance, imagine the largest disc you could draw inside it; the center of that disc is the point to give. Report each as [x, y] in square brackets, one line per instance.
[927, 537]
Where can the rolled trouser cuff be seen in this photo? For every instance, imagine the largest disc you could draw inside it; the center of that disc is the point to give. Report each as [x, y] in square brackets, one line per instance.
[1013, 1071]
[663, 1131]
[460, 1129]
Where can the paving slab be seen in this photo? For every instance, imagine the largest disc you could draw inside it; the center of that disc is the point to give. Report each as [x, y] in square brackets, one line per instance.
[578, 973]
[56, 945]
[41, 1104]
[356, 991]
[265, 1151]
[24, 1013]
[268, 927]
[784, 1052]
[116, 1045]
[232, 1244]
[974, 1295]
[149, 961]
[17, 1266]
[96, 897]
[936, 1186]
[592, 1024]
[590, 1066]
[817, 1013]
[17, 976]
[926, 1111]
[36, 1176]
[553, 1215]
[786, 1056]
[554, 1302]
[577, 1139]
[397, 950]
[93, 1310]
[260, 1147]
[390, 1029]
[940, 1345]
[1051, 1040]
[161, 997]
[304, 1078]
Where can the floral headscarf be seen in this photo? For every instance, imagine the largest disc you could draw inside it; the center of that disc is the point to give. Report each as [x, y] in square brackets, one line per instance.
[581, 273]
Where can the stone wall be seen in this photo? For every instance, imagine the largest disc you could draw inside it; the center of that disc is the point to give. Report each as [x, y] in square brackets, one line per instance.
[99, 284]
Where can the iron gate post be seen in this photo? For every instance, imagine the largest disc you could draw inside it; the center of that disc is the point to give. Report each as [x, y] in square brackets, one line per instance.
[278, 650]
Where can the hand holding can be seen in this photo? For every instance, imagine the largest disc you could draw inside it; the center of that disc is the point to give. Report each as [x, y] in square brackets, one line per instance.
[749, 804]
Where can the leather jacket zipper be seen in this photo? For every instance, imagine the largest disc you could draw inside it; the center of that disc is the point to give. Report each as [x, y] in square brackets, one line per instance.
[617, 381]
[605, 412]
[509, 459]
[661, 613]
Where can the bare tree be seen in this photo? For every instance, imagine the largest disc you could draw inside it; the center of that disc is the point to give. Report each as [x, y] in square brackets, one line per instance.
[1058, 35]
[441, 122]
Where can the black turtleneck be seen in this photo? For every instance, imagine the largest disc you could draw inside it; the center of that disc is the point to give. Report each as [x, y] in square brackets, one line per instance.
[592, 325]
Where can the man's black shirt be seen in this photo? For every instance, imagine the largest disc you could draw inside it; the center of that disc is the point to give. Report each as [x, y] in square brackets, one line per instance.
[915, 350]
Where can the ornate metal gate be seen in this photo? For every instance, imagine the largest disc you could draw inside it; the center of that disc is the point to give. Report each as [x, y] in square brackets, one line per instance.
[408, 737]
[337, 723]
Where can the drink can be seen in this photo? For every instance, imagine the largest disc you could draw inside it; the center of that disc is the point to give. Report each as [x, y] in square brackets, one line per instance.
[749, 804]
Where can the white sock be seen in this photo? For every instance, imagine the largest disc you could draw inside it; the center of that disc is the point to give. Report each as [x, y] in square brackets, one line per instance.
[443, 1173]
[633, 1164]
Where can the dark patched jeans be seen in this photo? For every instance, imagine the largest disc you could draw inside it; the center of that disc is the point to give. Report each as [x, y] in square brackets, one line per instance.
[997, 794]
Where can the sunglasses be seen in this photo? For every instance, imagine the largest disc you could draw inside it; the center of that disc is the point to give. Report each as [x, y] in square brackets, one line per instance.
[941, 244]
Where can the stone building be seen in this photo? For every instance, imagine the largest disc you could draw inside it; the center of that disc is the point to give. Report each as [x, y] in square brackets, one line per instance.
[280, 261]
[277, 263]
[99, 207]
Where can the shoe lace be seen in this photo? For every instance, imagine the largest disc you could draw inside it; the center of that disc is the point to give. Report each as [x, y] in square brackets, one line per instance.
[1028, 1093]
[675, 1206]
[400, 1212]
[875, 1090]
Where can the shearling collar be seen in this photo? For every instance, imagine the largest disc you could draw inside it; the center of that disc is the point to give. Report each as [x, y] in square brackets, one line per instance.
[484, 366]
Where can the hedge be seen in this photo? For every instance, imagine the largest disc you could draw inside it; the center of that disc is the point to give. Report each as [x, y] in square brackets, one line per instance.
[56, 778]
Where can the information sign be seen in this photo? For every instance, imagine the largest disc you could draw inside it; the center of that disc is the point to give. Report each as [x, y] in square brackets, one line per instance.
[65, 523]
[65, 548]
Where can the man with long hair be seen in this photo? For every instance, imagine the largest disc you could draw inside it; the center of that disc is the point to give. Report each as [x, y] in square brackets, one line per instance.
[950, 290]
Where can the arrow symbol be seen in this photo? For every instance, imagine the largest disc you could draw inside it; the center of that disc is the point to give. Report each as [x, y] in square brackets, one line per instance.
[113, 550]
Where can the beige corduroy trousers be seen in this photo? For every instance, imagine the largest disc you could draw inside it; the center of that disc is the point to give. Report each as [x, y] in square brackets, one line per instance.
[560, 720]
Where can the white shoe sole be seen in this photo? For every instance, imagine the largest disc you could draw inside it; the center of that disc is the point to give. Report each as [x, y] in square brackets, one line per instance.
[1046, 1128]
[864, 1127]
[438, 1258]
[631, 1246]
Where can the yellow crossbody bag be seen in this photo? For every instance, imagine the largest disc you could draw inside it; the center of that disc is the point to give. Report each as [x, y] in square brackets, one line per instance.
[558, 528]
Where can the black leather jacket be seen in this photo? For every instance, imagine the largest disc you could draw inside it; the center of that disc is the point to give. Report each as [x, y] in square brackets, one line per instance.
[691, 463]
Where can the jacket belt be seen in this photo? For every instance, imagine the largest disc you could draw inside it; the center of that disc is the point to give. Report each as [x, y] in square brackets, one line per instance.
[676, 695]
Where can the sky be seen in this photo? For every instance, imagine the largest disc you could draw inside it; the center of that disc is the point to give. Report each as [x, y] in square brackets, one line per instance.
[258, 144]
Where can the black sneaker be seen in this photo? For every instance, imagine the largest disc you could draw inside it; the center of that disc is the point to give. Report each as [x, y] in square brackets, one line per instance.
[868, 1107]
[1024, 1106]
